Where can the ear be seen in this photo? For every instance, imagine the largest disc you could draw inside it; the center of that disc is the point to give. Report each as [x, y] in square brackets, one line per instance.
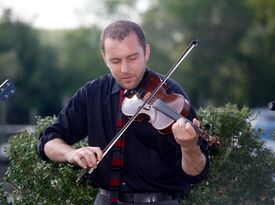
[103, 56]
[147, 52]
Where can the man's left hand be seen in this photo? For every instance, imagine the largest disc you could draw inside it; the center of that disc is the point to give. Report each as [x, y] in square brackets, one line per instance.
[184, 133]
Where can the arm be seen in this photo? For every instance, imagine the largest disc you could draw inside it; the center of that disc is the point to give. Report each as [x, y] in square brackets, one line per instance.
[193, 160]
[59, 151]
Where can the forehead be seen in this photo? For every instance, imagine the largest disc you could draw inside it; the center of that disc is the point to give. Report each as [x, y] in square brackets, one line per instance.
[128, 45]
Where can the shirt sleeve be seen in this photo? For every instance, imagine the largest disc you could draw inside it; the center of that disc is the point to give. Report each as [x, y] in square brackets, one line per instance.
[71, 123]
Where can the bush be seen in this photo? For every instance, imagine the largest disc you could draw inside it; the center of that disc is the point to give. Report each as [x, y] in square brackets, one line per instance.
[42, 182]
[3, 196]
[241, 168]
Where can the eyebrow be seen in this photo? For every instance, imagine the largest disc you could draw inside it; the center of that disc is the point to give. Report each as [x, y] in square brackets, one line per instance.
[131, 55]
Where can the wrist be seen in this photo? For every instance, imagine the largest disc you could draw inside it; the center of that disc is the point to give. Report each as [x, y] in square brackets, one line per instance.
[191, 149]
[193, 160]
[68, 155]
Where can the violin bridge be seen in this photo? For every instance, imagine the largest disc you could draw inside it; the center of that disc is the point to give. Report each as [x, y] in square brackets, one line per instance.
[146, 96]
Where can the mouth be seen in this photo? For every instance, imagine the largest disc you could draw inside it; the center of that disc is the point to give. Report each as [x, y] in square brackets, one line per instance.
[128, 81]
[127, 77]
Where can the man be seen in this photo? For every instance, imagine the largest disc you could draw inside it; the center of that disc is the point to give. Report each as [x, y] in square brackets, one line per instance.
[152, 168]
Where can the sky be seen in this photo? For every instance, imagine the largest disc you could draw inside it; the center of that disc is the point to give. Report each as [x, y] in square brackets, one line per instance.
[60, 14]
[46, 13]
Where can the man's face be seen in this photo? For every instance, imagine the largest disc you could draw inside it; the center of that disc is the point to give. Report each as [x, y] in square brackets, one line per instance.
[126, 60]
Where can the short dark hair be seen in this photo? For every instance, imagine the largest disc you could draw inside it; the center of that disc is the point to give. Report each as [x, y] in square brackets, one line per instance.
[120, 29]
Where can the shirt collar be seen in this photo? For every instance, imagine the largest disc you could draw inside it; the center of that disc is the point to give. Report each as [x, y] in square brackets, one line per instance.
[116, 87]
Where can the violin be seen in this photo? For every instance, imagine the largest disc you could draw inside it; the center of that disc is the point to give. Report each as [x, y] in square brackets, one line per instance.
[163, 109]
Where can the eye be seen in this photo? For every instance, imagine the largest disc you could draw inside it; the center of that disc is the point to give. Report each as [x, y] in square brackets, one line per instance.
[133, 57]
[114, 61]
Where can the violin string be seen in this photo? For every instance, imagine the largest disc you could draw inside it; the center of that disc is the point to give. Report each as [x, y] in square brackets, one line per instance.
[162, 107]
[165, 109]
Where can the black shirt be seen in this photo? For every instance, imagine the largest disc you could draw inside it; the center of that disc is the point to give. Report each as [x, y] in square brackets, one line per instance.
[152, 161]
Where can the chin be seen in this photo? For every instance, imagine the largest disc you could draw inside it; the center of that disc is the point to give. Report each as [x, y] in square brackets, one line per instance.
[128, 86]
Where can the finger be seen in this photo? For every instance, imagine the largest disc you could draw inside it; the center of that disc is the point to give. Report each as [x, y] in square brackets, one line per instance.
[84, 157]
[98, 153]
[196, 122]
[90, 157]
[179, 123]
[82, 162]
[94, 155]
[190, 129]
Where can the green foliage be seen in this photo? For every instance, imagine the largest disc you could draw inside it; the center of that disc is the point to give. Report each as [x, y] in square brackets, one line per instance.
[45, 66]
[42, 182]
[33, 69]
[241, 168]
[3, 196]
[235, 48]
[81, 58]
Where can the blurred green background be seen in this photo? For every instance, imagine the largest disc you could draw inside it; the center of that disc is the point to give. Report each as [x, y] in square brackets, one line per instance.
[233, 62]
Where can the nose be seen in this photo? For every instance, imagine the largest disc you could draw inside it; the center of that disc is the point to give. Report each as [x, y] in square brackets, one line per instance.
[124, 67]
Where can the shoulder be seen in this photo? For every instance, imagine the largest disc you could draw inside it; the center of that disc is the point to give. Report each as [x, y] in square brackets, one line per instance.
[95, 87]
[99, 84]
[104, 80]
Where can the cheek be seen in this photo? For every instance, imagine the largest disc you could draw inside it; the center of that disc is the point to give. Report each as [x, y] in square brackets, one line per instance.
[113, 69]
[138, 65]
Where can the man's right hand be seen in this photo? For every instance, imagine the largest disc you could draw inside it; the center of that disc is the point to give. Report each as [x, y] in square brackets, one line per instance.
[59, 151]
[85, 157]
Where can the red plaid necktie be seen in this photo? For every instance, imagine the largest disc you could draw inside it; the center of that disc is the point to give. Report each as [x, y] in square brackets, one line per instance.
[117, 158]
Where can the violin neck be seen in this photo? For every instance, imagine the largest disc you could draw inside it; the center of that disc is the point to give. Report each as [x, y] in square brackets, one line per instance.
[168, 111]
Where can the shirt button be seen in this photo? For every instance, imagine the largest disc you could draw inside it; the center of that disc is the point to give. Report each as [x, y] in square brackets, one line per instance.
[123, 183]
